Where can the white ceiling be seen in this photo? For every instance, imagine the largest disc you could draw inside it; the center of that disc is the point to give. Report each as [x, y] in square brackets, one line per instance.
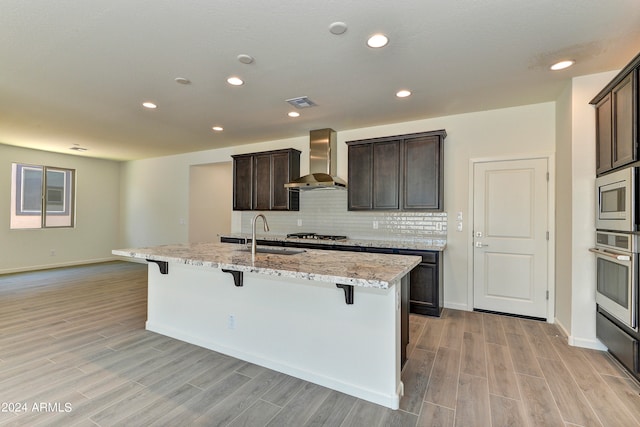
[76, 72]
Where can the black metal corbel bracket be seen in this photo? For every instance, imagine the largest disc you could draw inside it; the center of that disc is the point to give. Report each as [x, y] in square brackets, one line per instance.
[348, 292]
[237, 276]
[162, 265]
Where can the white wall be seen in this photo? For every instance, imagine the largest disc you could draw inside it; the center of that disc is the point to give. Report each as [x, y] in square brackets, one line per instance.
[155, 191]
[97, 219]
[210, 201]
[564, 212]
[583, 160]
[575, 216]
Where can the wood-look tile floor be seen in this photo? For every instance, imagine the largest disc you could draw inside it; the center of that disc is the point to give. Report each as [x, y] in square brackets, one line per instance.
[74, 351]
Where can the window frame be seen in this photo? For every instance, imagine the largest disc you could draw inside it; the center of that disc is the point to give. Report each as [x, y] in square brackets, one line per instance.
[67, 192]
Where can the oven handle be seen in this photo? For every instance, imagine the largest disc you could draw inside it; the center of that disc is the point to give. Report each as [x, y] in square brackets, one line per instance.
[617, 257]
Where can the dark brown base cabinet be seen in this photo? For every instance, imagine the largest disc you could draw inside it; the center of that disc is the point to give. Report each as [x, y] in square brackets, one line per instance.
[259, 179]
[425, 295]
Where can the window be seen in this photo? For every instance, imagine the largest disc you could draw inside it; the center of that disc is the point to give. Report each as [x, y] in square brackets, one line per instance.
[42, 196]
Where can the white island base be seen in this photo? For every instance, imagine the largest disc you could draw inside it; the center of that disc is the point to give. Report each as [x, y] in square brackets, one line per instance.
[299, 327]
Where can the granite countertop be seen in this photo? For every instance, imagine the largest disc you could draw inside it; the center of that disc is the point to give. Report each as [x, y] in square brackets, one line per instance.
[348, 268]
[438, 243]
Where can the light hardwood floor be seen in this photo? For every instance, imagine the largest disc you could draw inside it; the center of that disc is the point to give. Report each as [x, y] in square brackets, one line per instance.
[74, 351]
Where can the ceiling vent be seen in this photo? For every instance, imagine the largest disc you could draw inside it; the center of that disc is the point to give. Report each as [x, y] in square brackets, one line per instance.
[301, 102]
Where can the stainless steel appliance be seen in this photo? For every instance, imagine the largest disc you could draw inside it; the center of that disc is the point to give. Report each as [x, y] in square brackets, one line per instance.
[617, 296]
[616, 199]
[617, 276]
[322, 163]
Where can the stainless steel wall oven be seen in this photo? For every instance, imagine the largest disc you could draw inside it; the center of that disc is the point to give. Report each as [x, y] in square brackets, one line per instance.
[617, 265]
[617, 276]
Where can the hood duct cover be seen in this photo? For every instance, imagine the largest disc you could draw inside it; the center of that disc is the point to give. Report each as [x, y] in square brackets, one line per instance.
[322, 163]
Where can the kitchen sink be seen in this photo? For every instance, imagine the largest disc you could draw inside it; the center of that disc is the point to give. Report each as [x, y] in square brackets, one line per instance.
[275, 250]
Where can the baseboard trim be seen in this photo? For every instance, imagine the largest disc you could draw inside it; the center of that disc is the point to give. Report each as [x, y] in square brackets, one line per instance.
[456, 306]
[57, 265]
[593, 344]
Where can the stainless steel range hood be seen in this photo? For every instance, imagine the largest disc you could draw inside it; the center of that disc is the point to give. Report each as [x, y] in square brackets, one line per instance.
[322, 163]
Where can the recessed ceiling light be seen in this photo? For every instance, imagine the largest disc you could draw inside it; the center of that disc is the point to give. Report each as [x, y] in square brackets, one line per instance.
[235, 81]
[182, 81]
[293, 114]
[562, 65]
[149, 105]
[377, 40]
[338, 28]
[403, 93]
[217, 128]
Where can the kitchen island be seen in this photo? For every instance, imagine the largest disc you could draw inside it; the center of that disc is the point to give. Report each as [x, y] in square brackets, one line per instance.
[328, 317]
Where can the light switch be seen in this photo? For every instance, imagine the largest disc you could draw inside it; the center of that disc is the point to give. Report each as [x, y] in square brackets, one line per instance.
[459, 217]
[459, 225]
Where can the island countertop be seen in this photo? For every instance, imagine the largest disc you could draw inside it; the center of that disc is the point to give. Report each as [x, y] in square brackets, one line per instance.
[348, 268]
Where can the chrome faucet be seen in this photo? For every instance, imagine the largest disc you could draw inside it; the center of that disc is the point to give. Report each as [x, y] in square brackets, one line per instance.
[253, 232]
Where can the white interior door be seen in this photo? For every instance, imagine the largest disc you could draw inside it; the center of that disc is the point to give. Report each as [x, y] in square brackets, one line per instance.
[510, 236]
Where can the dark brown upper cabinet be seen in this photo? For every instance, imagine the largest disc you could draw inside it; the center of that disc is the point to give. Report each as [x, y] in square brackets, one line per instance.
[604, 135]
[401, 172]
[259, 178]
[617, 120]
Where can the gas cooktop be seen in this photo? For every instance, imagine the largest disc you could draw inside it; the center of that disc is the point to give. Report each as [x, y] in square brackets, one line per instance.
[315, 236]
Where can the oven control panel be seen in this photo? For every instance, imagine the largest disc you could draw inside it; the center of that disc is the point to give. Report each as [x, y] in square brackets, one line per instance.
[620, 241]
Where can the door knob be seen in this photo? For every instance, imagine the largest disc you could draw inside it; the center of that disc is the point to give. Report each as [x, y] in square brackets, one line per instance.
[480, 245]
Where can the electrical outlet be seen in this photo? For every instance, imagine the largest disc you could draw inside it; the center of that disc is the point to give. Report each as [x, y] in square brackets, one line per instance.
[231, 322]
[299, 223]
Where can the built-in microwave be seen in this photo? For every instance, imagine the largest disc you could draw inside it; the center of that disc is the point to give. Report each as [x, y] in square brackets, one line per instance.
[616, 199]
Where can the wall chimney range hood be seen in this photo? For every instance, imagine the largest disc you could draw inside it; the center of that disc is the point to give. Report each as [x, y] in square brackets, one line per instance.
[322, 163]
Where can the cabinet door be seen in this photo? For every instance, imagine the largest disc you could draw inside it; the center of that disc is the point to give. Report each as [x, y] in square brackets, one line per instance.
[424, 289]
[603, 135]
[624, 123]
[262, 182]
[242, 182]
[279, 177]
[360, 176]
[422, 188]
[386, 175]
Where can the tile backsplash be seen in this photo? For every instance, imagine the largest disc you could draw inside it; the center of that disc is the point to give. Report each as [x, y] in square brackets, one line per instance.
[325, 212]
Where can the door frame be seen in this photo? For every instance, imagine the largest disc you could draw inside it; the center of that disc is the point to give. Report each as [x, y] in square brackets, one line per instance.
[551, 208]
